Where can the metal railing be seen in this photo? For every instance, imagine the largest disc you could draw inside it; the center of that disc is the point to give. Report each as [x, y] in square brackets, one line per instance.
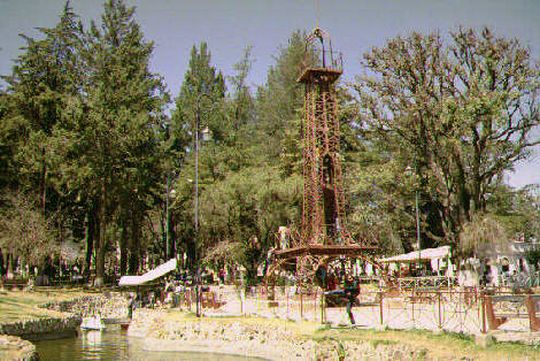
[463, 311]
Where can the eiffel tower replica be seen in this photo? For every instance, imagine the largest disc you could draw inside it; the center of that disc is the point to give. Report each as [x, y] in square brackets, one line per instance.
[323, 235]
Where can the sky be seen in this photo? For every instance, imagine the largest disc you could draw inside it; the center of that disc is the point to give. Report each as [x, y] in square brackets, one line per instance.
[228, 26]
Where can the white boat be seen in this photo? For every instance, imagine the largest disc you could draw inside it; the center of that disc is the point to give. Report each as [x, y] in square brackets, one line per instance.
[92, 323]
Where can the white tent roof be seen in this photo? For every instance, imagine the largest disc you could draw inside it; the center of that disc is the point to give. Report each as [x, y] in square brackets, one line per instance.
[424, 254]
[157, 272]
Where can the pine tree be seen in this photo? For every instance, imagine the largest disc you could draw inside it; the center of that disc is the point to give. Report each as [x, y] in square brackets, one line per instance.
[44, 79]
[120, 138]
[200, 107]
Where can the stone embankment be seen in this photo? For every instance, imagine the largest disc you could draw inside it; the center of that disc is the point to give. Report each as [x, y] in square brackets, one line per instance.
[43, 328]
[109, 305]
[16, 349]
[269, 341]
[13, 335]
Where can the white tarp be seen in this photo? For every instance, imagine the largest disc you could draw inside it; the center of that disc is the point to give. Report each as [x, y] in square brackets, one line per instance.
[424, 254]
[157, 272]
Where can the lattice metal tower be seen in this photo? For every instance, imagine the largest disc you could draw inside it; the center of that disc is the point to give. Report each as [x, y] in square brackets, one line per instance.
[323, 213]
[323, 235]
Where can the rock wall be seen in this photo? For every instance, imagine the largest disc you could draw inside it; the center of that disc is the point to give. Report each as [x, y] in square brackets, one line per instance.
[42, 328]
[262, 340]
[142, 319]
[110, 305]
[13, 335]
[16, 349]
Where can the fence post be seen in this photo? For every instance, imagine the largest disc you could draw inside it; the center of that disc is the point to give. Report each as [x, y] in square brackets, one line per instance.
[301, 304]
[323, 318]
[287, 292]
[381, 318]
[483, 311]
[412, 308]
[242, 293]
[257, 292]
[439, 307]
[315, 305]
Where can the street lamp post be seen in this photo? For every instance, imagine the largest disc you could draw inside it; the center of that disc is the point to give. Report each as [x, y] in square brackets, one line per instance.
[417, 216]
[196, 208]
[169, 195]
[167, 219]
[418, 240]
[206, 137]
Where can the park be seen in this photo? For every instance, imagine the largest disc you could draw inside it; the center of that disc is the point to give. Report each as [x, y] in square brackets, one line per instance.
[338, 210]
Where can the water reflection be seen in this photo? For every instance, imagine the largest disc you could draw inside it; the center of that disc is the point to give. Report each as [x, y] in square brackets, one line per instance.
[113, 344]
[91, 340]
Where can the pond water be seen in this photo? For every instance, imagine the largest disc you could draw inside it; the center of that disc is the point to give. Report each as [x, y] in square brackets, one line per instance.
[113, 344]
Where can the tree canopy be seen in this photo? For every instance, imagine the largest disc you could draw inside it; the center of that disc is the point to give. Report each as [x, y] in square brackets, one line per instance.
[93, 151]
[460, 114]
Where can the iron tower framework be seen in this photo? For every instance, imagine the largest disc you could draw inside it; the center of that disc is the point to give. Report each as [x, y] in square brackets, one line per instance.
[323, 200]
[323, 233]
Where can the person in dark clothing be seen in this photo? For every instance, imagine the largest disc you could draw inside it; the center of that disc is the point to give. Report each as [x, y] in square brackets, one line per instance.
[349, 293]
[221, 276]
[131, 305]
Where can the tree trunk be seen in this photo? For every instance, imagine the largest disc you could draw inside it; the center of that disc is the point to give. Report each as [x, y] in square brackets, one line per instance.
[135, 256]
[2, 263]
[191, 251]
[163, 229]
[123, 249]
[102, 240]
[100, 265]
[42, 183]
[10, 260]
[89, 235]
[172, 235]
[476, 181]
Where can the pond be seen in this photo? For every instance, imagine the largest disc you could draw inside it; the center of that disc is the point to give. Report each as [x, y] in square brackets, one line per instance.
[113, 344]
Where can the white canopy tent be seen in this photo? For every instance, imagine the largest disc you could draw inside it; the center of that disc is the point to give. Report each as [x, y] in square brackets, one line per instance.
[149, 276]
[427, 254]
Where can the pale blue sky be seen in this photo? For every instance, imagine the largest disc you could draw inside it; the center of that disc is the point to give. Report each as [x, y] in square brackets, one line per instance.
[229, 25]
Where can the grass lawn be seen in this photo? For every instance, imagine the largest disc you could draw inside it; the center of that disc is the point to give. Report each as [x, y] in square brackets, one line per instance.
[445, 346]
[22, 305]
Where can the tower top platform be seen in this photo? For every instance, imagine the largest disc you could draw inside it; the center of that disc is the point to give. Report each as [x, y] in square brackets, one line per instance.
[316, 75]
[327, 65]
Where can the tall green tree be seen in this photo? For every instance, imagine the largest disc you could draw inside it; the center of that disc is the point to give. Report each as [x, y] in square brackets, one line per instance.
[280, 100]
[201, 99]
[8, 141]
[242, 102]
[461, 114]
[245, 210]
[258, 190]
[44, 79]
[200, 109]
[119, 132]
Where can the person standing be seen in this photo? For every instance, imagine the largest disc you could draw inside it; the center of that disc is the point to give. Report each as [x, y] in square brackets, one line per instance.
[131, 305]
[351, 293]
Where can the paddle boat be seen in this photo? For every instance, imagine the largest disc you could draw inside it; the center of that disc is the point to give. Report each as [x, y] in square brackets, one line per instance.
[92, 323]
